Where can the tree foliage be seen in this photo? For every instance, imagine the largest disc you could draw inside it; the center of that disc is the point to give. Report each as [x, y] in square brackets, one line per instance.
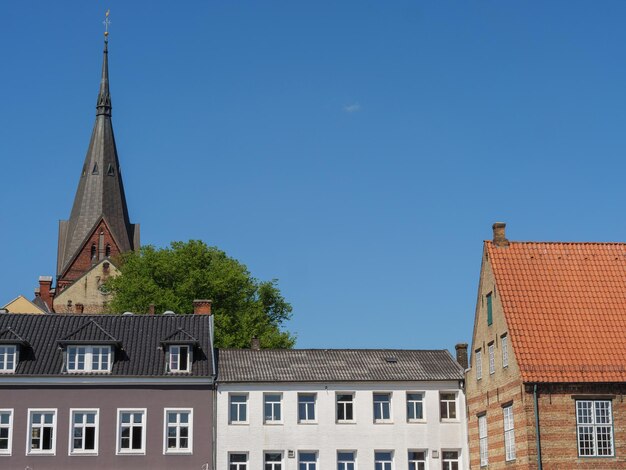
[171, 278]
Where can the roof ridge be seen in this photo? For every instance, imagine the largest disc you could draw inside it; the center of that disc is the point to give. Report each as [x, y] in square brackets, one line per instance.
[528, 242]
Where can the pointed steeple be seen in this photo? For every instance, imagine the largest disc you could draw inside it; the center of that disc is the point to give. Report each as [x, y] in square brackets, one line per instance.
[99, 225]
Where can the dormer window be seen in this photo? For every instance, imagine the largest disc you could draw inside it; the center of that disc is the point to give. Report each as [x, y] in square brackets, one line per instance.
[179, 359]
[89, 359]
[8, 358]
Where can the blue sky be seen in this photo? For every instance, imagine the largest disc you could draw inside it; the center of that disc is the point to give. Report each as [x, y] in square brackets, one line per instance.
[358, 151]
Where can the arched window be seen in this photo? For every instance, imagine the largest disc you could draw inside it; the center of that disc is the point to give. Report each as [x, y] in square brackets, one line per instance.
[107, 250]
[93, 251]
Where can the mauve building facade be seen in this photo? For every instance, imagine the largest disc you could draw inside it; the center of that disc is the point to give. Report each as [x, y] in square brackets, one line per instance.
[106, 391]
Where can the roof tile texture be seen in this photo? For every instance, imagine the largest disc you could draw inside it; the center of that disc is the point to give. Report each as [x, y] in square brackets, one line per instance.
[565, 306]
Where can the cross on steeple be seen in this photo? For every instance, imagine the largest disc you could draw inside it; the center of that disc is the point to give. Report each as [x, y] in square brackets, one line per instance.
[106, 23]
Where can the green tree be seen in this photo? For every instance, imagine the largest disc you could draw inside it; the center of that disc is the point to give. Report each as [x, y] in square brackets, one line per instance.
[171, 278]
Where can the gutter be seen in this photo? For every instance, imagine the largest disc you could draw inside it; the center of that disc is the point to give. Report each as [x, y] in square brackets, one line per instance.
[538, 436]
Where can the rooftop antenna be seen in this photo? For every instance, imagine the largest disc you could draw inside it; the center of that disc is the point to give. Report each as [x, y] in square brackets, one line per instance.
[106, 24]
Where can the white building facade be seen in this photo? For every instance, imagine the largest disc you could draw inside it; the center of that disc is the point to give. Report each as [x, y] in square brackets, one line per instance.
[275, 410]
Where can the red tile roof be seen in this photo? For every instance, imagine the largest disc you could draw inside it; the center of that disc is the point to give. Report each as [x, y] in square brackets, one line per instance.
[565, 306]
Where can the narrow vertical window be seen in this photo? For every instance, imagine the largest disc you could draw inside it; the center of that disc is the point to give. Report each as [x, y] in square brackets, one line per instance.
[84, 432]
[107, 251]
[131, 431]
[272, 407]
[383, 460]
[306, 407]
[238, 462]
[238, 409]
[482, 440]
[504, 343]
[93, 251]
[178, 431]
[479, 364]
[42, 431]
[447, 405]
[509, 433]
[414, 406]
[6, 431]
[417, 460]
[346, 460]
[492, 358]
[345, 410]
[382, 407]
[307, 461]
[489, 309]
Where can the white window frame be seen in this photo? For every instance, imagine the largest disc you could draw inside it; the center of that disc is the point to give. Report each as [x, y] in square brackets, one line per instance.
[381, 407]
[178, 425]
[239, 406]
[345, 407]
[412, 404]
[504, 341]
[307, 406]
[347, 464]
[509, 433]
[492, 358]
[455, 402]
[483, 440]
[274, 406]
[118, 445]
[53, 450]
[9, 426]
[96, 425]
[88, 360]
[238, 465]
[8, 351]
[456, 460]
[173, 358]
[417, 463]
[382, 464]
[594, 427]
[308, 464]
[478, 359]
[281, 463]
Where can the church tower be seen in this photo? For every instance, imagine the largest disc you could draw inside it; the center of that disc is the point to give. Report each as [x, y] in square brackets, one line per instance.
[99, 227]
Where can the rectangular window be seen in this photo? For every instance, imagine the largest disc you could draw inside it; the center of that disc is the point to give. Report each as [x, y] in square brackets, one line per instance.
[345, 410]
[178, 431]
[272, 407]
[492, 358]
[479, 364]
[346, 460]
[382, 407]
[307, 460]
[489, 309]
[238, 408]
[306, 407]
[6, 431]
[417, 460]
[450, 460]
[88, 359]
[509, 433]
[504, 342]
[414, 406]
[447, 405]
[83, 432]
[8, 358]
[383, 460]
[238, 462]
[42, 431]
[131, 431]
[179, 360]
[594, 422]
[482, 440]
[273, 461]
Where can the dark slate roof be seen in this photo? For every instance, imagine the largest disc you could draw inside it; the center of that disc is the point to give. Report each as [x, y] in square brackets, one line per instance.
[140, 352]
[179, 336]
[335, 365]
[8, 336]
[89, 332]
[100, 194]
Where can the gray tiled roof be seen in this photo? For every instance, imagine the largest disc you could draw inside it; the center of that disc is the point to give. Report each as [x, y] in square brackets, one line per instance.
[140, 336]
[336, 365]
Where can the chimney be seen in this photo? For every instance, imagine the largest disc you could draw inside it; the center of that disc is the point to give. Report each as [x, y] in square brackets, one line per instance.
[499, 235]
[151, 309]
[80, 308]
[202, 307]
[461, 355]
[255, 344]
[45, 287]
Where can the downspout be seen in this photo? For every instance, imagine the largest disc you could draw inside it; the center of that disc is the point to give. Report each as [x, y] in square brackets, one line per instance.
[539, 466]
[214, 392]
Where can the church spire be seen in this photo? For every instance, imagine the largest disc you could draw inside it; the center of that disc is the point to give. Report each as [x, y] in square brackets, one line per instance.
[103, 105]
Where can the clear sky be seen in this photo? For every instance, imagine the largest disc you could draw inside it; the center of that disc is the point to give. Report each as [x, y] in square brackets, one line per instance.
[357, 151]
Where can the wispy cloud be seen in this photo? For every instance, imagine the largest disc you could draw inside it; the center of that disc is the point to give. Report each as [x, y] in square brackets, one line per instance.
[352, 108]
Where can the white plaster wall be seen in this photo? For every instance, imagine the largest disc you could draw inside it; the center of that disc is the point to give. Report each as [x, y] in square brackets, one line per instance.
[327, 436]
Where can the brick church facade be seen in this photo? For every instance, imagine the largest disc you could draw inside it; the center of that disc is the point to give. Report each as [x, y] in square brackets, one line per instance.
[547, 378]
[98, 229]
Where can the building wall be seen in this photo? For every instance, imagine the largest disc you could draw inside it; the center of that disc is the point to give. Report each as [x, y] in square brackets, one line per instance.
[86, 291]
[108, 400]
[327, 436]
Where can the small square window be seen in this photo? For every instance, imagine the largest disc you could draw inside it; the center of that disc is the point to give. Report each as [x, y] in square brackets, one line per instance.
[346, 460]
[447, 405]
[179, 359]
[307, 460]
[273, 461]
[238, 408]
[306, 407]
[272, 404]
[450, 460]
[383, 460]
[382, 407]
[8, 358]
